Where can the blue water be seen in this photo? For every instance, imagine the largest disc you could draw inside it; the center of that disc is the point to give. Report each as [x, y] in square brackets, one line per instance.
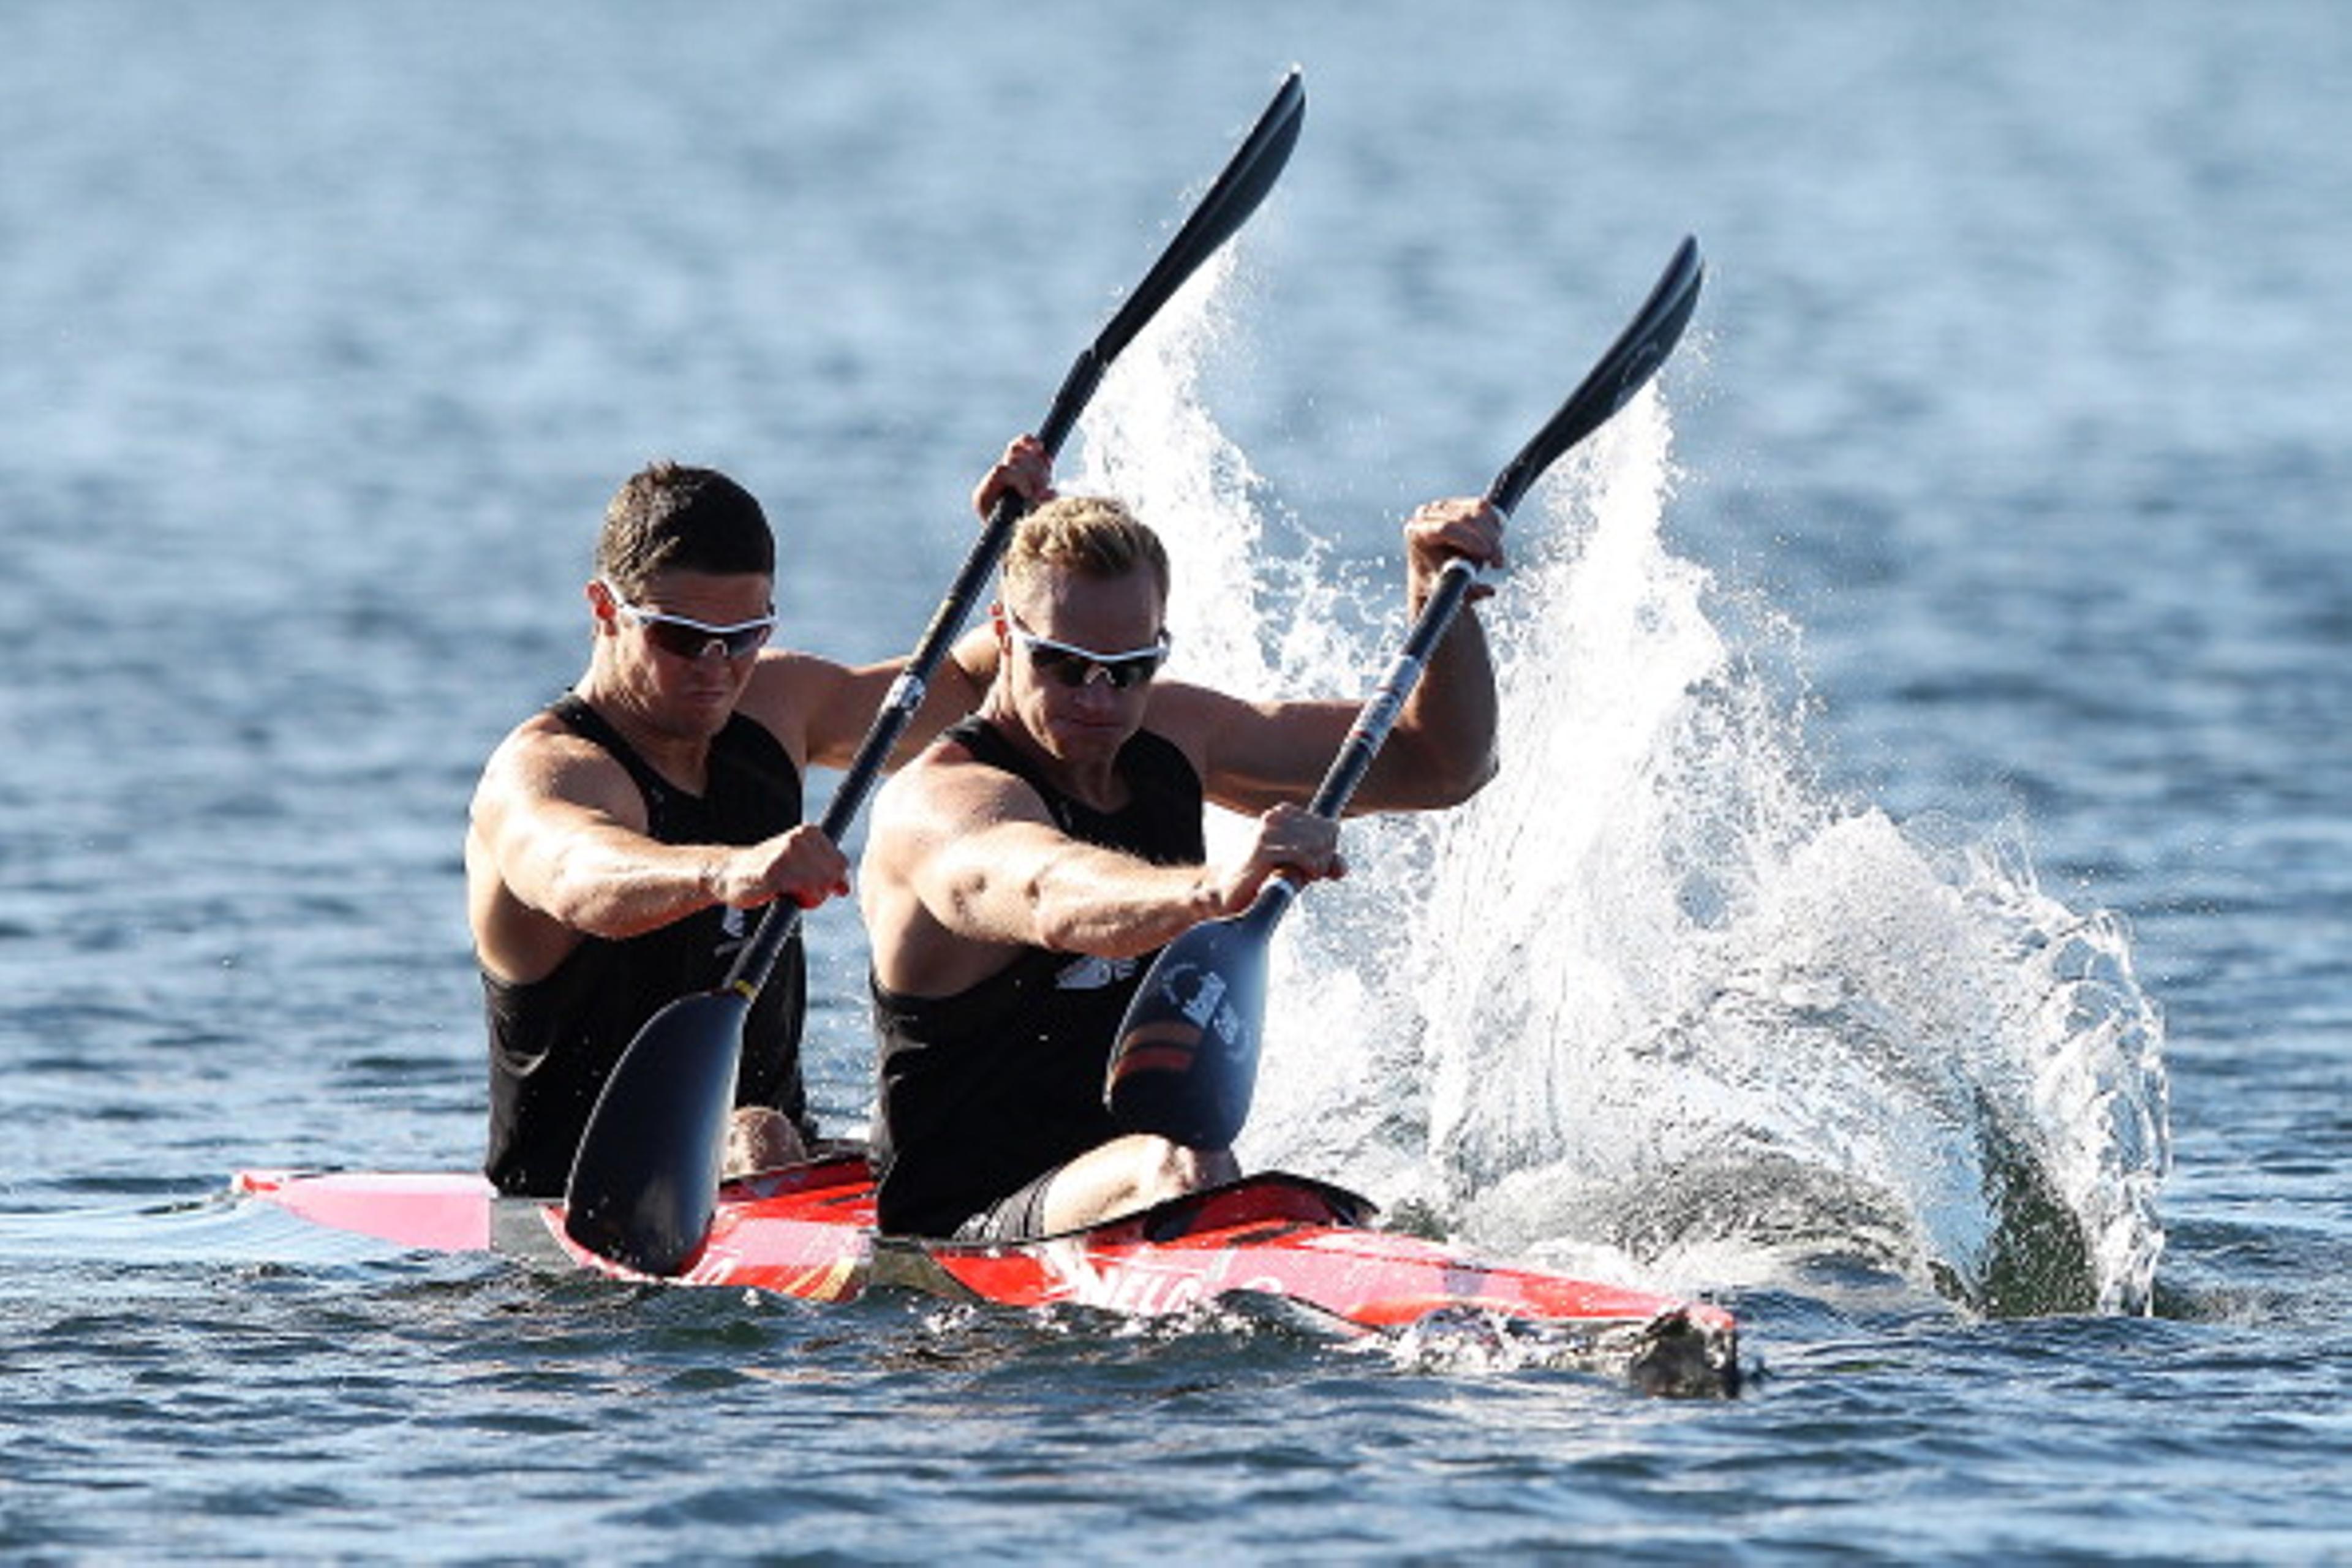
[1912, 911]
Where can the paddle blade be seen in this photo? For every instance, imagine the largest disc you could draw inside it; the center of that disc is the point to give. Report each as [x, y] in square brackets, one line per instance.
[1620, 373]
[646, 1180]
[1186, 1063]
[1239, 187]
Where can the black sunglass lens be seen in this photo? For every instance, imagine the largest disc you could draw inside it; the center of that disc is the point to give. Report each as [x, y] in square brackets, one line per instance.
[688, 642]
[1077, 669]
[1120, 673]
[1067, 667]
[674, 639]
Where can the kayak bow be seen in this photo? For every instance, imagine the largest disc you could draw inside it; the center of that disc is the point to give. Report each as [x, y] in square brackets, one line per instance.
[1303, 1247]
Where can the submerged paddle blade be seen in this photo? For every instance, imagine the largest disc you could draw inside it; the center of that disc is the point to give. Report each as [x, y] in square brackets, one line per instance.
[646, 1182]
[1185, 1064]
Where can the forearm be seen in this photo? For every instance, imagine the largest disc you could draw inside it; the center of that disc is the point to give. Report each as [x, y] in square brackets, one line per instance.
[1452, 717]
[1442, 751]
[614, 885]
[1111, 905]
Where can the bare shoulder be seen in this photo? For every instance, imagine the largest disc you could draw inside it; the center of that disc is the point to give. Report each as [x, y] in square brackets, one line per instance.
[787, 674]
[1250, 752]
[947, 810]
[799, 697]
[946, 790]
[544, 760]
[1189, 716]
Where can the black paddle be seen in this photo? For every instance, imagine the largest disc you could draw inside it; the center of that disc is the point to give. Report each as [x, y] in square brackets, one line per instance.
[645, 1182]
[1185, 1064]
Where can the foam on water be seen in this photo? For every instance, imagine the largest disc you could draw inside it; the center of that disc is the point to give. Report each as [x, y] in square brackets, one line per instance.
[1657, 995]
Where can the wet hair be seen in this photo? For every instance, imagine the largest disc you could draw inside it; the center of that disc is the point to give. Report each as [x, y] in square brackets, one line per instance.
[669, 517]
[1093, 536]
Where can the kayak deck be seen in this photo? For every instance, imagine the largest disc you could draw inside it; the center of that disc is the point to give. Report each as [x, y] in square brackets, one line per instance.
[807, 1231]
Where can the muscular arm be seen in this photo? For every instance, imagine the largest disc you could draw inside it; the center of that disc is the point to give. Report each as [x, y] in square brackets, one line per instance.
[835, 705]
[1442, 750]
[1253, 755]
[963, 867]
[557, 849]
[1025, 882]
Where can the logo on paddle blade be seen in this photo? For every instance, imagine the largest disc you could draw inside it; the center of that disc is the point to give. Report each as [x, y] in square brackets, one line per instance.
[1197, 996]
[1203, 1007]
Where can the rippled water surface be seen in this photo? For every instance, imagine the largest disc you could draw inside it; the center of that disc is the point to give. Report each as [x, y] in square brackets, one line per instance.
[1912, 911]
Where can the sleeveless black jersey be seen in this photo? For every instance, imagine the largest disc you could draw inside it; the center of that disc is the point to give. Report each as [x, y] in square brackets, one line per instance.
[984, 1091]
[554, 1042]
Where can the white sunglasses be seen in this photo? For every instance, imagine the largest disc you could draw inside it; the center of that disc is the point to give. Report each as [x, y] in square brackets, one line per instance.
[689, 638]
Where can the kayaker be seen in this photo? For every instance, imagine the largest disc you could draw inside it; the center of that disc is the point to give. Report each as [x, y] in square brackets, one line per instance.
[621, 837]
[1020, 874]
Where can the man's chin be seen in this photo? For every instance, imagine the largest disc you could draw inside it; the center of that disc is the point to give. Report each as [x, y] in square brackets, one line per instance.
[704, 713]
[1078, 743]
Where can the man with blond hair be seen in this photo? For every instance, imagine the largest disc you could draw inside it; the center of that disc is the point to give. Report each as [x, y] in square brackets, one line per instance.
[1021, 873]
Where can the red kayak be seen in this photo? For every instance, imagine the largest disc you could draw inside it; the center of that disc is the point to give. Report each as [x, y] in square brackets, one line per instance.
[1300, 1246]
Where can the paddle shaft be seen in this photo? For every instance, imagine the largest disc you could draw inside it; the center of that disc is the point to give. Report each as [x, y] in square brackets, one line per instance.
[1615, 378]
[1619, 373]
[758, 957]
[1373, 721]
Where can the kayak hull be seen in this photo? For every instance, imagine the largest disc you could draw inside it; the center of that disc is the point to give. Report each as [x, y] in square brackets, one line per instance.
[1306, 1246]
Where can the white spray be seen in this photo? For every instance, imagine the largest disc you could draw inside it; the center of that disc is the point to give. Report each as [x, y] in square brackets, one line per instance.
[1655, 995]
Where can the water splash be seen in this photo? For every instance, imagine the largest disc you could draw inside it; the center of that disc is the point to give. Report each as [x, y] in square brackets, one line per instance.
[1657, 995]
[1254, 604]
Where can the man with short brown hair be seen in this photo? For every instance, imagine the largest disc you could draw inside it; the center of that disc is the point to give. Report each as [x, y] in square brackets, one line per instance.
[624, 837]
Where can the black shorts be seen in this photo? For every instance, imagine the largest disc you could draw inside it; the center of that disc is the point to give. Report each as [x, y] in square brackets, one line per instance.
[1018, 1216]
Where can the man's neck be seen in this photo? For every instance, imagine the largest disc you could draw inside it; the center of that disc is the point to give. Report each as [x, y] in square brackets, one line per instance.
[1094, 782]
[683, 760]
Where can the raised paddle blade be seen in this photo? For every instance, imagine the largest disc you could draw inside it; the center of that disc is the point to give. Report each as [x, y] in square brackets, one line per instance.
[1186, 1062]
[1612, 382]
[641, 1194]
[651, 1195]
[1236, 193]
[1239, 187]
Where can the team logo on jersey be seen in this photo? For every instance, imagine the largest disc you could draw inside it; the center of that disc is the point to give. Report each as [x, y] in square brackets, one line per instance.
[1087, 973]
[733, 931]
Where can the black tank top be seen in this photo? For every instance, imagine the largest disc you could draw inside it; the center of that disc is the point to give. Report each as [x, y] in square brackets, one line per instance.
[989, 1088]
[554, 1042]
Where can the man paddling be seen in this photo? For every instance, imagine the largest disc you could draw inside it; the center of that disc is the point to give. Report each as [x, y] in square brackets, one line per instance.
[1021, 873]
[619, 835]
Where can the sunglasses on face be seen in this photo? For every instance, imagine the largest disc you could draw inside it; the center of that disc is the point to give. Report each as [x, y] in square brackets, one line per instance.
[690, 639]
[1075, 665]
